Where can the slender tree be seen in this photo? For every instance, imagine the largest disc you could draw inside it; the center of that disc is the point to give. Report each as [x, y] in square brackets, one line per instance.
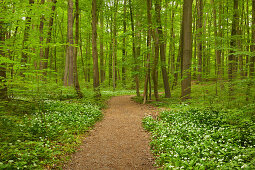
[159, 31]
[3, 87]
[147, 77]
[252, 60]
[124, 52]
[102, 70]
[134, 51]
[41, 36]
[77, 27]
[49, 36]
[96, 82]
[199, 38]
[24, 55]
[232, 58]
[187, 49]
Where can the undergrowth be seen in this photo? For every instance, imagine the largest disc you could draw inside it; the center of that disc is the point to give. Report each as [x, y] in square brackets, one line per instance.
[212, 130]
[202, 139]
[41, 138]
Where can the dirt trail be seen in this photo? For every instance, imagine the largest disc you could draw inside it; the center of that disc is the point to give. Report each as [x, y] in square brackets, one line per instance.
[118, 141]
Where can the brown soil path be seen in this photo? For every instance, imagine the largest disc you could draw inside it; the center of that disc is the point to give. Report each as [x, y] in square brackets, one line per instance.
[118, 141]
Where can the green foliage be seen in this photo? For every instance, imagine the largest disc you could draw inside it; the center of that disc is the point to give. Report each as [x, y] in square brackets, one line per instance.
[32, 141]
[203, 138]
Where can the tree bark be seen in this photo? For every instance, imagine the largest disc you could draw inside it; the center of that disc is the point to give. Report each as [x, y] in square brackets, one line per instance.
[102, 72]
[114, 45]
[49, 37]
[24, 55]
[77, 32]
[96, 83]
[252, 60]
[162, 49]
[124, 53]
[199, 38]
[70, 48]
[187, 49]
[145, 93]
[232, 57]
[134, 51]
[41, 37]
[3, 87]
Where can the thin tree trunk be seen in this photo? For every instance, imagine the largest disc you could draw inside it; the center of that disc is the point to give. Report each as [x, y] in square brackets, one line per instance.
[145, 93]
[162, 49]
[124, 45]
[232, 57]
[24, 55]
[199, 38]
[102, 47]
[70, 49]
[179, 58]
[134, 51]
[187, 49]
[3, 87]
[252, 61]
[114, 58]
[48, 40]
[77, 27]
[41, 37]
[96, 83]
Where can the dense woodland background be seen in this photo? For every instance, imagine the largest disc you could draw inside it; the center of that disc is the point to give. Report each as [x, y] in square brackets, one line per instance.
[200, 52]
[126, 44]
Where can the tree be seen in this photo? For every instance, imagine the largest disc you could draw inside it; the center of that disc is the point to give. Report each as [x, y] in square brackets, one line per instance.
[24, 55]
[199, 37]
[232, 58]
[68, 77]
[94, 50]
[147, 77]
[77, 27]
[134, 51]
[160, 35]
[187, 49]
[124, 52]
[3, 87]
[252, 61]
[102, 70]
[49, 36]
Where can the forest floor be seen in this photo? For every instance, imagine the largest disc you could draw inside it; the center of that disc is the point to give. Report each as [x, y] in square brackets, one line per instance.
[118, 141]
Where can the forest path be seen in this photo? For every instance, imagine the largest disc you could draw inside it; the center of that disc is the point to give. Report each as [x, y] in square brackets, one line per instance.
[118, 141]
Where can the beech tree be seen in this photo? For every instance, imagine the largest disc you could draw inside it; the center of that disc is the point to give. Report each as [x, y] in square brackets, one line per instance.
[187, 49]
[96, 82]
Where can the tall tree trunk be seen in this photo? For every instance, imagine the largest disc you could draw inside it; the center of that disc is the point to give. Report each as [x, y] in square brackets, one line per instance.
[3, 87]
[232, 57]
[252, 61]
[178, 65]
[145, 93]
[24, 55]
[114, 58]
[199, 38]
[70, 49]
[77, 27]
[124, 53]
[48, 40]
[134, 51]
[162, 49]
[187, 49]
[102, 47]
[96, 83]
[41, 37]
